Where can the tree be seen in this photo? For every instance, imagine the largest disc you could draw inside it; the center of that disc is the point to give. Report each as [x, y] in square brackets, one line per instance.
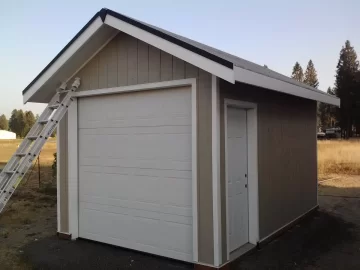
[326, 113]
[29, 122]
[311, 75]
[347, 88]
[4, 123]
[17, 122]
[297, 72]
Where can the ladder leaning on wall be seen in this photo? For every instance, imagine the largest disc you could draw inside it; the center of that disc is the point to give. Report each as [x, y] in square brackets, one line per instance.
[30, 148]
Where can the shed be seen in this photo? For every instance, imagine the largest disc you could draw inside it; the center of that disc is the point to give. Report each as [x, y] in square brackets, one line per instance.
[7, 135]
[175, 148]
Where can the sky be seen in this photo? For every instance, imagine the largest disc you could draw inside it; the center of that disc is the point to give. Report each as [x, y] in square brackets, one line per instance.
[275, 33]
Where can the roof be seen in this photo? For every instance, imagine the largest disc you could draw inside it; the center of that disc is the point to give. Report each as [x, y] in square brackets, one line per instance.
[224, 65]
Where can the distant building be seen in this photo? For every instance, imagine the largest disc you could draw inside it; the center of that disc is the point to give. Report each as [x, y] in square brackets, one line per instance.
[7, 135]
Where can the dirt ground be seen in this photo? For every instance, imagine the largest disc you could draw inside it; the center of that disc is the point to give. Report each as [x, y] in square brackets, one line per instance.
[330, 239]
[30, 215]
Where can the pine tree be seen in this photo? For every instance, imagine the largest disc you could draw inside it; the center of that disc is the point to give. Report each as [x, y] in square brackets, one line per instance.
[4, 124]
[311, 75]
[29, 121]
[327, 117]
[17, 123]
[347, 87]
[297, 72]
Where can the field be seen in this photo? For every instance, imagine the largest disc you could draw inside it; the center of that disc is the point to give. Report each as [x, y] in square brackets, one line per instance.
[31, 212]
[338, 158]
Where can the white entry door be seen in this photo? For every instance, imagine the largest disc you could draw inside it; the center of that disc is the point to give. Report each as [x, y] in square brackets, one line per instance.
[135, 171]
[237, 163]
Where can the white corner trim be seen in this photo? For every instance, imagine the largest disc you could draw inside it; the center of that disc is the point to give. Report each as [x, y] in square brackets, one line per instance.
[253, 78]
[136, 87]
[194, 157]
[78, 43]
[171, 48]
[215, 137]
[58, 166]
[253, 191]
[73, 180]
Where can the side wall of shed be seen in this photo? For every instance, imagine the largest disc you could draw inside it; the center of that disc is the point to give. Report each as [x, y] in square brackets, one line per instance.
[287, 159]
[129, 61]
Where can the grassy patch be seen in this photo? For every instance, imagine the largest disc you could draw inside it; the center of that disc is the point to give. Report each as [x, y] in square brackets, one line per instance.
[339, 157]
[31, 212]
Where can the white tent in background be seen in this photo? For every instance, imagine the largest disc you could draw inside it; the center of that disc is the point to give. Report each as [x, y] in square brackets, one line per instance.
[7, 135]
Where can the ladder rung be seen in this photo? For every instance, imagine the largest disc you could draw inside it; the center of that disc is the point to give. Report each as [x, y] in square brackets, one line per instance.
[20, 154]
[32, 138]
[43, 121]
[54, 106]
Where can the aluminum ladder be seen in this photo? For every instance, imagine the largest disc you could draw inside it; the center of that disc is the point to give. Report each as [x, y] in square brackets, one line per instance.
[30, 147]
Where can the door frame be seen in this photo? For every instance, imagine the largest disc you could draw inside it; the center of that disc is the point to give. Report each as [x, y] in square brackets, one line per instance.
[252, 147]
[73, 158]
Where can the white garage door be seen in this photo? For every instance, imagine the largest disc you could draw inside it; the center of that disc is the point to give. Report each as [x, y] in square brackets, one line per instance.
[135, 171]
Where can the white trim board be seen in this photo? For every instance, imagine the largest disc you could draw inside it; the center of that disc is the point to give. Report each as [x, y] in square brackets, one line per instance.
[215, 137]
[58, 175]
[253, 78]
[73, 174]
[253, 192]
[69, 52]
[73, 149]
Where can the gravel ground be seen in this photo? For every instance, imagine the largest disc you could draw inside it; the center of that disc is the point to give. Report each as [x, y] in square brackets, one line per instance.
[330, 239]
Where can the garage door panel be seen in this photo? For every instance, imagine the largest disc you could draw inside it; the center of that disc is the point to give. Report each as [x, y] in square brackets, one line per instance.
[137, 188]
[168, 212]
[140, 230]
[135, 171]
[138, 123]
[98, 163]
[110, 110]
[161, 146]
[139, 211]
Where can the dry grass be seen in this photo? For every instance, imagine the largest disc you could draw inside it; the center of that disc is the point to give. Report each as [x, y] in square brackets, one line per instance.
[31, 212]
[338, 157]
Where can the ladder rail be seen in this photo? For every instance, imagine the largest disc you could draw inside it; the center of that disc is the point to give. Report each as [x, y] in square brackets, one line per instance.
[18, 165]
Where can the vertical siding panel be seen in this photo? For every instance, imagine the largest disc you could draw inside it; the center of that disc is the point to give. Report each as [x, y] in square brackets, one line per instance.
[154, 64]
[63, 174]
[103, 69]
[178, 69]
[132, 60]
[143, 62]
[205, 202]
[122, 60]
[165, 66]
[94, 73]
[191, 71]
[112, 64]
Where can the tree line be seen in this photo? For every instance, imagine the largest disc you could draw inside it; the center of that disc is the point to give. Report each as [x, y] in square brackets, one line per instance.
[346, 88]
[20, 122]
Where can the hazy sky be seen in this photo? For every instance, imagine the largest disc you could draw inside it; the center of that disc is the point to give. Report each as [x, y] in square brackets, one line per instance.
[275, 33]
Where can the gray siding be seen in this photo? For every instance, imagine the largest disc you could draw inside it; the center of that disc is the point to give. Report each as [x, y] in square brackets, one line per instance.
[63, 163]
[287, 165]
[128, 61]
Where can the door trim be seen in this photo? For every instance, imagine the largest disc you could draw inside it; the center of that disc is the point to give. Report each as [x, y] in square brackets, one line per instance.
[73, 174]
[253, 196]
